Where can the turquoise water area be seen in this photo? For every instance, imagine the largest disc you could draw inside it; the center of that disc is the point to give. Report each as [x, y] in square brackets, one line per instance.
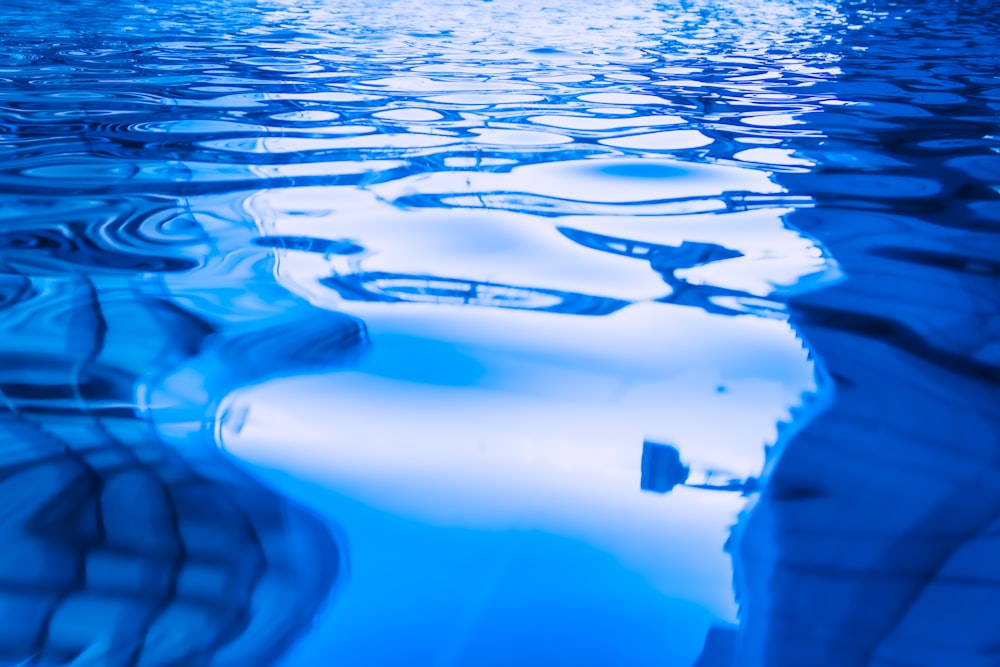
[492, 332]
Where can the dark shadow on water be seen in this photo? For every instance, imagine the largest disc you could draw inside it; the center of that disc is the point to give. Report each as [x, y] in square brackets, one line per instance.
[875, 540]
[117, 548]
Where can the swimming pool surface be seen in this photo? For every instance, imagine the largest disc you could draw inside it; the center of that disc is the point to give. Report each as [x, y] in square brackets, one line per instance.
[494, 332]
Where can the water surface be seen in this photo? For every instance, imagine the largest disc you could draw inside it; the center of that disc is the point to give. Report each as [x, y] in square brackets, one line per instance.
[466, 333]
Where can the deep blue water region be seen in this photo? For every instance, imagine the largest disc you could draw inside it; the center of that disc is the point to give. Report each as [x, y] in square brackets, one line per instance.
[488, 333]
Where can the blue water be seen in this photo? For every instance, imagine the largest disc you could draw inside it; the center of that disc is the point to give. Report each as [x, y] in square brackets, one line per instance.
[479, 333]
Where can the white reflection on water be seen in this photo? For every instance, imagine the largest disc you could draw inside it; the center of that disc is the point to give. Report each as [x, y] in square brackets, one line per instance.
[534, 318]
[530, 422]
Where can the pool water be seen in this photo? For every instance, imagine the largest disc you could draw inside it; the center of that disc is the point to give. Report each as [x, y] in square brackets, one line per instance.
[489, 333]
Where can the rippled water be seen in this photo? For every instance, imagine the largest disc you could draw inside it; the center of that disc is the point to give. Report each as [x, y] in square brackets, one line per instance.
[487, 333]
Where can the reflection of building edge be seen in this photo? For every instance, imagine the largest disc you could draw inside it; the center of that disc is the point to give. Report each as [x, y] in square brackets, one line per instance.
[390, 287]
[662, 470]
[873, 542]
[404, 288]
[667, 260]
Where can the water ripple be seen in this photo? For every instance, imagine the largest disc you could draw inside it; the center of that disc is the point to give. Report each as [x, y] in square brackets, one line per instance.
[478, 278]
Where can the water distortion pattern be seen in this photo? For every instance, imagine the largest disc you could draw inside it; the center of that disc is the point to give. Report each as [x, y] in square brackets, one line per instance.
[519, 309]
